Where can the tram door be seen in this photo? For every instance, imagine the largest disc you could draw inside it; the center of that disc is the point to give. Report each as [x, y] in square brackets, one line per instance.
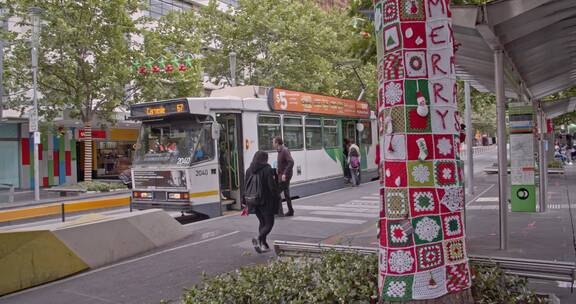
[230, 159]
[349, 130]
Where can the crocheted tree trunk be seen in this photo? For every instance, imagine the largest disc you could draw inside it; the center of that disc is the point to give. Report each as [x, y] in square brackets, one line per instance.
[422, 242]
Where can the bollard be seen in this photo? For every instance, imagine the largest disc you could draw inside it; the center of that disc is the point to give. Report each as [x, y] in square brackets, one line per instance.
[130, 203]
[63, 212]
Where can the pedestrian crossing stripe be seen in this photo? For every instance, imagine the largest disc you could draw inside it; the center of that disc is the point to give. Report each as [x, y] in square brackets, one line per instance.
[345, 214]
[327, 220]
[363, 209]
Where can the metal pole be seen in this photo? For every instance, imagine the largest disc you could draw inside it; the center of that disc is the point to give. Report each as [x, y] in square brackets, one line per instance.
[63, 212]
[502, 156]
[232, 57]
[469, 137]
[542, 166]
[4, 27]
[35, 16]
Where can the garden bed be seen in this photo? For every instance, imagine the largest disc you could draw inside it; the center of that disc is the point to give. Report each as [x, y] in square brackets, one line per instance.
[336, 278]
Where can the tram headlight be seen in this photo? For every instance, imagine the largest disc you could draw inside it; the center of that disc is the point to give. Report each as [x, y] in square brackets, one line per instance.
[178, 196]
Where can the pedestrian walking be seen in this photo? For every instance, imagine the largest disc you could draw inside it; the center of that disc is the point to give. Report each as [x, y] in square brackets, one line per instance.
[354, 163]
[262, 197]
[345, 148]
[285, 164]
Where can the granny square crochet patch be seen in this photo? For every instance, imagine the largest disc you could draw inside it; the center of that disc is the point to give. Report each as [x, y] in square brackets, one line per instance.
[401, 261]
[414, 35]
[395, 147]
[416, 123]
[416, 64]
[443, 119]
[457, 277]
[392, 38]
[420, 173]
[451, 199]
[412, 10]
[397, 288]
[396, 203]
[423, 201]
[389, 12]
[454, 251]
[452, 225]
[416, 89]
[398, 118]
[429, 284]
[393, 93]
[444, 146]
[429, 256]
[445, 173]
[399, 233]
[420, 147]
[393, 67]
[427, 229]
[395, 174]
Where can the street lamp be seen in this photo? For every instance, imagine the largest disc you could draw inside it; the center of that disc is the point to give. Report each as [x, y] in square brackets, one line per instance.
[353, 64]
[35, 18]
[3, 27]
[232, 57]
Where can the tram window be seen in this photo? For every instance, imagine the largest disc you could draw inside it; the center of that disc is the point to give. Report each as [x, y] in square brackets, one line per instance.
[330, 133]
[268, 128]
[293, 133]
[366, 134]
[177, 142]
[313, 133]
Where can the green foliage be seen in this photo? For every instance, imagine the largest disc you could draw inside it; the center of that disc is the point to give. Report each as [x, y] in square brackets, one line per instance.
[492, 285]
[283, 43]
[83, 55]
[86, 53]
[95, 186]
[334, 278]
[172, 37]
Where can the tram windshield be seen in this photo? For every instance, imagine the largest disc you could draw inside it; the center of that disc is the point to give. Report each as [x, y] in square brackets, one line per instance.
[176, 142]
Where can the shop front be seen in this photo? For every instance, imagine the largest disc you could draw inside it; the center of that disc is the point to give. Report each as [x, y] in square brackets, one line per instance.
[112, 151]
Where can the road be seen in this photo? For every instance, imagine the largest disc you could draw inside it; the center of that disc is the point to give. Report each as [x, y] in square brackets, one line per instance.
[345, 216]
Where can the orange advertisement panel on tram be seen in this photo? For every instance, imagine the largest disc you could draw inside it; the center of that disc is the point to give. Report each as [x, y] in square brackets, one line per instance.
[294, 101]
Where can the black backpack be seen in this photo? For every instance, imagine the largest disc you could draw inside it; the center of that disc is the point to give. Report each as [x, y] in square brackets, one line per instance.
[253, 191]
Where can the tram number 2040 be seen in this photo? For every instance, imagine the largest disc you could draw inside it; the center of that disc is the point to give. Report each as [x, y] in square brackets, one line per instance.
[203, 172]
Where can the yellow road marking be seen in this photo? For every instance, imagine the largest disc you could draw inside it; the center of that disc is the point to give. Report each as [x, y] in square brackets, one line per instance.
[70, 207]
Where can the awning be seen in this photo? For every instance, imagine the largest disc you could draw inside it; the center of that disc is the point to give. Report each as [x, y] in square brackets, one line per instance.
[538, 38]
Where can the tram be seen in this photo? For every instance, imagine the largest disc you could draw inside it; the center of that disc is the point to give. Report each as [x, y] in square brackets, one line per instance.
[192, 153]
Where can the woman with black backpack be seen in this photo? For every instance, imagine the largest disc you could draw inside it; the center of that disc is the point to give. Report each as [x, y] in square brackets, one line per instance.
[262, 197]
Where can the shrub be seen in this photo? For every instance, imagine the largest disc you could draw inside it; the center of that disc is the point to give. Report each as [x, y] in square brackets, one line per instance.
[335, 278]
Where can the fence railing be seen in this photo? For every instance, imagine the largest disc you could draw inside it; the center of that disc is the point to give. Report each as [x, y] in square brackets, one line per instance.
[532, 269]
[7, 188]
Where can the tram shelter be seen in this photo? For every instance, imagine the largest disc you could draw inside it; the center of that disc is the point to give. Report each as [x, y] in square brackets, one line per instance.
[520, 50]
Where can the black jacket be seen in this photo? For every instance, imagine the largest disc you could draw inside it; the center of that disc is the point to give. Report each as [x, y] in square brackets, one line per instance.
[270, 191]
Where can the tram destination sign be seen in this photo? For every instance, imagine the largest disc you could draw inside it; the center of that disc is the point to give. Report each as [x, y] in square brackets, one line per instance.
[160, 108]
[294, 101]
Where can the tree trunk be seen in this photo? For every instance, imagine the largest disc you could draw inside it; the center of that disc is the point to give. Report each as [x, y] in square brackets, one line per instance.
[422, 250]
[87, 151]
[463, 297]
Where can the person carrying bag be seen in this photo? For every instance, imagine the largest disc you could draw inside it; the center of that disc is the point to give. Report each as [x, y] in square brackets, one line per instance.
[262, 197]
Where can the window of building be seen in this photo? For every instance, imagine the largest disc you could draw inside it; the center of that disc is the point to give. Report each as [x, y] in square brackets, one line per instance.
[159, 8]
[293, 133]
[313, 133]
[268, 128]
[330, 133]
[366, 134]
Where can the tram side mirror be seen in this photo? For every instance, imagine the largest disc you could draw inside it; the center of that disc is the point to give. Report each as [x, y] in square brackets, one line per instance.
[216, 130]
